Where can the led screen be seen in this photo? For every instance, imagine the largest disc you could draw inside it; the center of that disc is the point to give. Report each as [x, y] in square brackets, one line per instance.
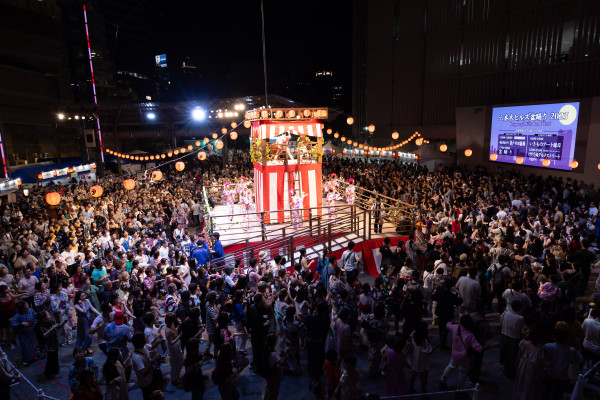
[535, 132]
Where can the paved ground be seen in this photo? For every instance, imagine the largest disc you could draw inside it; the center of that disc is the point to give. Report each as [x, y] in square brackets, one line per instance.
[252, 386]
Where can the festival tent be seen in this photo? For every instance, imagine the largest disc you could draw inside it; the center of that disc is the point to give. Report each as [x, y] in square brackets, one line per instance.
[329, 147]
[433, 159]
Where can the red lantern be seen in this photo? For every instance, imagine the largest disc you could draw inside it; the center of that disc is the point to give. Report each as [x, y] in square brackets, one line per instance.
[96, 191]
[129, 184]
[53, 198]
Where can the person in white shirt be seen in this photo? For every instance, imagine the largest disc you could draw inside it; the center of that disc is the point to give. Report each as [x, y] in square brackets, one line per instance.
[69, 255]
[441, 263]
[514, 293]
[164, 250]
[593, 210]
[512, 323]
[469, 290]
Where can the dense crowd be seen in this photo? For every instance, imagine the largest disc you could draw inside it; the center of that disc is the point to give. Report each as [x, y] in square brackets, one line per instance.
[133, 269]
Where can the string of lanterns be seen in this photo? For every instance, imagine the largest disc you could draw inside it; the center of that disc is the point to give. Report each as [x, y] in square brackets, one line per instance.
[419, 140]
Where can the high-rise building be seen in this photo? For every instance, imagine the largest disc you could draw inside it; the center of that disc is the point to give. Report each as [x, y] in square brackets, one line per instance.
[415, 62]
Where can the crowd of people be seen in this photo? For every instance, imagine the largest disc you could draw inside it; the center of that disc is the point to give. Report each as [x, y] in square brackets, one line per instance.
[131, 275]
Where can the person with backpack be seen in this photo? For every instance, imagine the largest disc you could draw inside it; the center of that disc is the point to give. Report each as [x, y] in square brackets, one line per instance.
[499, 274]
[328, 271]
[464, 344]
[350, 260]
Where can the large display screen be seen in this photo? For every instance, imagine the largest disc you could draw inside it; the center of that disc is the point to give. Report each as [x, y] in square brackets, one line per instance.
[535, 132]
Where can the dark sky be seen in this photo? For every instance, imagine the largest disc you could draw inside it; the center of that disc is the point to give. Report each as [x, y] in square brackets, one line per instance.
[223, 38]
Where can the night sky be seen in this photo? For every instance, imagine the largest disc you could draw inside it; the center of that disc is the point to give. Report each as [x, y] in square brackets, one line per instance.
[223, 38]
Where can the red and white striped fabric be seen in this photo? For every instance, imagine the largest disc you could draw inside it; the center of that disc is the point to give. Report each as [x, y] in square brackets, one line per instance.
[272, 129]
[273, 184]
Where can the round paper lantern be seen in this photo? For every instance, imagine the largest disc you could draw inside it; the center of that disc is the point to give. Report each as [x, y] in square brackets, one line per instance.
[156, 175]
[264, 114]
[197, 143]
[493, 156]
[336, 135]
[219, 144]
[598, 166]
[206, 140]
[152, 157]
[307, 113]
[215, 135]
[355, 144]
[350, 120]
[233, 135]
[322, 126]
[349, 141]
[233, 125]
[182, 150]
[129, 184]
[163, 156]
[279, 114]
[395, 135]
[519, 160]
[419, 141]
[360, 146]
[574, 164]
[545, 162]
[53, 198]
[170, 154]
[201, 155]
[291, 113]
[247, 124]
[179, 166]
[190, 147]
[329, 131]
[443, 147]
[175, 151]
[468, 152]
[343, 138]
[223, 131]
[371, 128]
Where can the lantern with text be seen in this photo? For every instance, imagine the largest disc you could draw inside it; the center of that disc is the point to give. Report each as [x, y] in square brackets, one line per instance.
[247, 124]
[233, 125]
[129, 184]
[233, 135]
[96, 191]
[179, 166]
[493, 156]
[223, 131]
[202, 156]
[53, 198]
[219, 144]
[419, 141]
[156, 175]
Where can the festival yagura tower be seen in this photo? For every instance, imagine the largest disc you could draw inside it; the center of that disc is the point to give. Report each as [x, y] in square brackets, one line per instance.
[281, 164]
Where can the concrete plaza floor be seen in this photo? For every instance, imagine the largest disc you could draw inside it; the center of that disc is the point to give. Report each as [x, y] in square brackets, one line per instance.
[252, 386]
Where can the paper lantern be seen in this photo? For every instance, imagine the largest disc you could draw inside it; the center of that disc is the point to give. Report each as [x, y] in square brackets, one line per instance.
[206, 140]
[574, 164]
[349, 141]
[182, 150]
[53, 198]
[343, 138]
[419, 141]
[201, 155]
[175, 152]
[156, 175]
[129, 184]
[233, 135]
[493, 156]
[395, 135]
[197, 143]
[279, 114]
[264, 114]
[371, 128]
[190, 147]
[307, 113]
[223, 131]
[355, 144]
[179, 166]
[519, 160]
[350, 120]
[151, 157]
[546, 162]
[96, 191]
[468, 152]
[598, 166]
[247, 124]
[329, 131]
[215, 135]
[336, 135]
[219, 144]
[170, 154]
[360, 146]
[443, 147]
[291, 114]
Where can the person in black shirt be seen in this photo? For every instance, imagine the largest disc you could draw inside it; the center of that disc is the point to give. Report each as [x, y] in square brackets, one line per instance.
[446, 301]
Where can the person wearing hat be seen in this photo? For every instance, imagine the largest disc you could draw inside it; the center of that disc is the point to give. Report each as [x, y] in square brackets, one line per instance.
[262, 262]
[117, 334]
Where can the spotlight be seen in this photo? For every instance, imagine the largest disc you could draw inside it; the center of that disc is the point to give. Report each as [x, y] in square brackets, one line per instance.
[61, 116]
[198, 114]
[151, 116]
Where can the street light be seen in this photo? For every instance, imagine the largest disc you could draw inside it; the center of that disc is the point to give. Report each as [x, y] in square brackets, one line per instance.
[151, 116]
[61, 116]
[77, 117]
[198, 114]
